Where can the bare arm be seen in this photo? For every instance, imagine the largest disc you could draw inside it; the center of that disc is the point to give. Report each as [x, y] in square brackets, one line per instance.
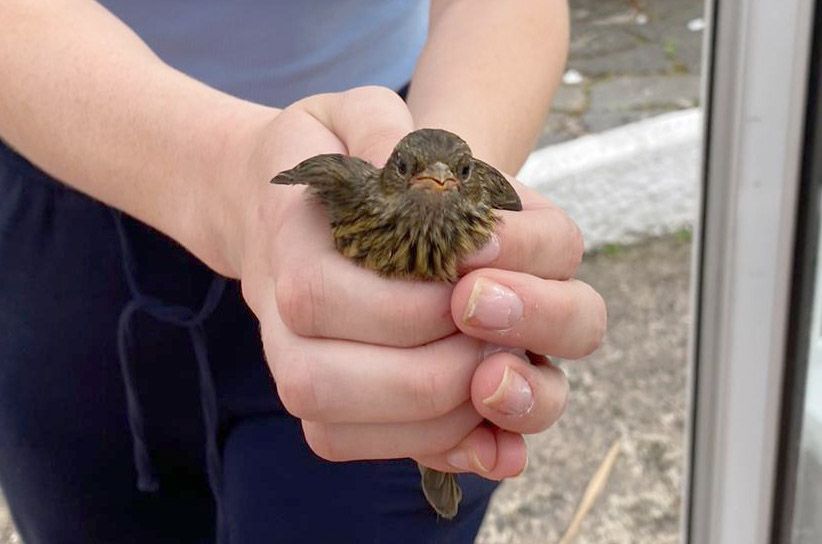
[84, 98]
[488, 72]
[87, 101]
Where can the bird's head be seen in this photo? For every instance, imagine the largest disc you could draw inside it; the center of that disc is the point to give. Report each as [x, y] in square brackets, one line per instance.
[432, 161]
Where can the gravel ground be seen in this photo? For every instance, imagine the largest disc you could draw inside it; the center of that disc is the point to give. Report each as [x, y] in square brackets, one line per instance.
[7, 534]
[632, 390]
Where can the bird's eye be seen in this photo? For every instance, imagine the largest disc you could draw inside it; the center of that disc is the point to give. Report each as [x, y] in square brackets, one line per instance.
[402, 167]
[465, 171]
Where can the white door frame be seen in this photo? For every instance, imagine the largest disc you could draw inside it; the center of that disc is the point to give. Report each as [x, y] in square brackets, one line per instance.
[756, 80]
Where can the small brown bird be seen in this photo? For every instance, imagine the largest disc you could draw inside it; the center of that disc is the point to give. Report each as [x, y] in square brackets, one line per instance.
[417, 218]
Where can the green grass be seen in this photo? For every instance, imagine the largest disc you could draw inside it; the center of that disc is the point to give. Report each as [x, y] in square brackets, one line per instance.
[612, 250]
[684, 235]
[670, 48]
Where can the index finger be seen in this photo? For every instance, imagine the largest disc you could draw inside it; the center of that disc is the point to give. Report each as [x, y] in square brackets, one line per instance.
[541, 240]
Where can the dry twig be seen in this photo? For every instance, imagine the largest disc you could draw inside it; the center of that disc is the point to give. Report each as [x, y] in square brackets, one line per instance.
[592, 492]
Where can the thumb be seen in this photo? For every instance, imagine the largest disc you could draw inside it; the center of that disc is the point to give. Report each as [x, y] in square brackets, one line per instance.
[368, 120]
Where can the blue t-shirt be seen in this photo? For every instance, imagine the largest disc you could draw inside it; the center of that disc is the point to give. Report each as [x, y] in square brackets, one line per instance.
[276, 52]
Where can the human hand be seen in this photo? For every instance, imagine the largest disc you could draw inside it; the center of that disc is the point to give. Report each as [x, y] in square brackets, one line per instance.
[518, 294]
[374, 368]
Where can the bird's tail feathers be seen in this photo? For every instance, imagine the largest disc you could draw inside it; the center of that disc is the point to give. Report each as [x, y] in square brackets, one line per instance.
[442, 491]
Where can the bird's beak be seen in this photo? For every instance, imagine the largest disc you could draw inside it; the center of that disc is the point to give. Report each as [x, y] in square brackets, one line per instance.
[436, 177]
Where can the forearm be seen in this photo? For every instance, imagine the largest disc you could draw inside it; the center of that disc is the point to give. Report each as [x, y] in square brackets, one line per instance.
[86, 100]
[488, 73]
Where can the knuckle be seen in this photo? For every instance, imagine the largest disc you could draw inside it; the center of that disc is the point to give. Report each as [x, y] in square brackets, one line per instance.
[413, 319]
[391, 119]
[409, 322]
[377, 143]
[320, 440]
[271, 347]
[450, 430]
[445, 441]
[251, 293]
[296, 386]
[368, 95]
[300, 299]
[520, 244]
[428, 393]
[294, 117]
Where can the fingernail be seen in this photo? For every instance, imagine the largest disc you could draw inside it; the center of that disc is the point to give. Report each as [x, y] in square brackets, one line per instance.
[492, 306]
[513, 396]
[484, 256]
[465, 460]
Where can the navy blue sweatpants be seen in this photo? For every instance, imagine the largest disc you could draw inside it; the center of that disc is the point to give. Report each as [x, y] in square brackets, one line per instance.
[136, 406]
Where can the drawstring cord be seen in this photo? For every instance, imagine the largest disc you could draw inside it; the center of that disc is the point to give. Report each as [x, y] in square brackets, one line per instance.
[179, 316]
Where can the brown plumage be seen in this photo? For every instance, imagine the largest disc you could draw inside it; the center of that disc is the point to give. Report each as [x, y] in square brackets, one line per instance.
[428, 208]
[418, 217]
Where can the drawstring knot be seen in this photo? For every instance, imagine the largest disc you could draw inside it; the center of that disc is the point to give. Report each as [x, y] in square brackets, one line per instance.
[178, 316]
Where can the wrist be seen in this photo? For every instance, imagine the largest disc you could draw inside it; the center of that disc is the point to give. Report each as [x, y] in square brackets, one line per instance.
[213, 225]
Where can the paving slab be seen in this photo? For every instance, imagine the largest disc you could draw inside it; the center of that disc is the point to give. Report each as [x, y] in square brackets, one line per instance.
[600, 121]
[570, 99]
[640, 59]
[613, 47]
[643, 92]
[589, 41]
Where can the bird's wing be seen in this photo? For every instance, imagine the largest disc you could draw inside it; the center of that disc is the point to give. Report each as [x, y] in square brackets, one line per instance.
[328, 173]
[501, 195]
